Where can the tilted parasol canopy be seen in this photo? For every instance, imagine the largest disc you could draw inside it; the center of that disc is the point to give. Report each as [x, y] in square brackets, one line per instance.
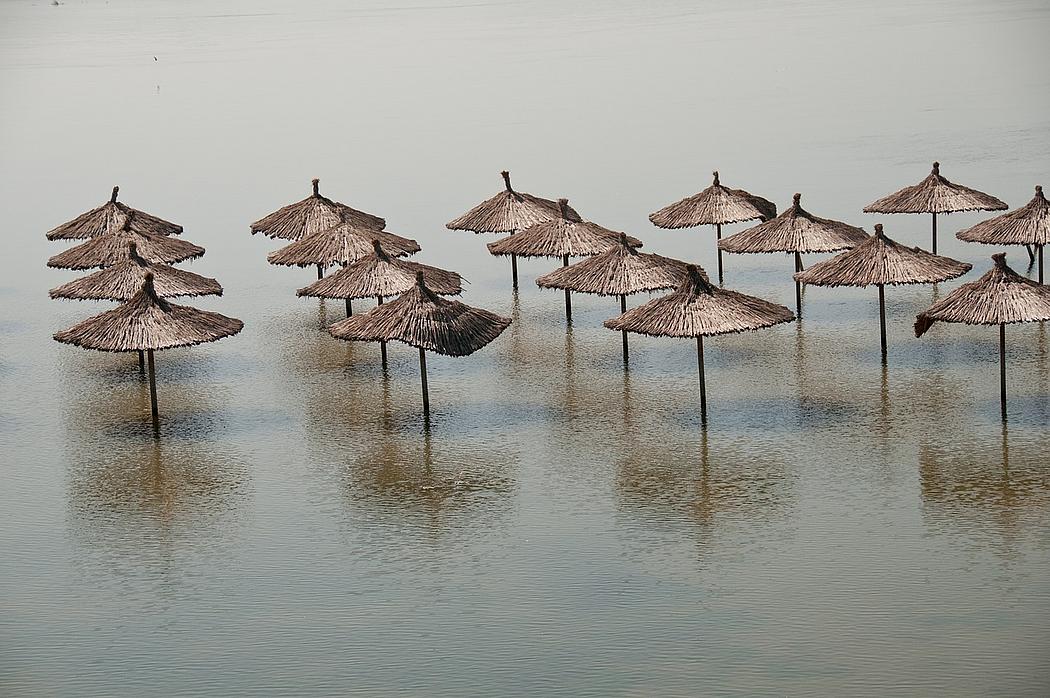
[108, 218]
[882, 262]
[795, 231]
[342, 243]
[124, 279]
[311, 215]
[380, 275]
[112, 248]
[422, 319]
[699, 309]
[1000, 297]
[717, 205]
[934, 195]
[1028, 225]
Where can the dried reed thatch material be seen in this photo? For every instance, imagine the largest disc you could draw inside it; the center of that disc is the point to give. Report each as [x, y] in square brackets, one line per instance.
[507, 212]
[699, 309]
[147, 322]
[108, 218]
[343, 243]
[1000, 297]
[882, 262]
[379, 275]
[563, 236]
[619, 270]
[124, 279]
[1028, 225]
[717, 205]
[934, 195]
[112, 248]
[311, 215]
[422, 319]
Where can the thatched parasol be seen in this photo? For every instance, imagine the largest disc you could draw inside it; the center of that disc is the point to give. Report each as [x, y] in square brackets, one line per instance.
[422, 319]
[619, 271]
[108, 218]
[147, 322]
[797, 231]
[1000, 297]
[507, 212]
[699, 309]
[112, 248]
[379, 275]
[124, 279]
[564, 236]
[882, 262]
[342, 243]
[935, 194]
[717, 205]
[1028, 225]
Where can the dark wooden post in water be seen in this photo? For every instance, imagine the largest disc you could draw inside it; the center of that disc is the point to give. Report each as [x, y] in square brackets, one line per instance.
[423, 375]
[1040, 248]
[152, 386]
[623, 309]
[382, 344]
[142, 361]
[320, 272]
[513, 257]
[935, 233]
[882, 318]
[798, 286]
[568, 299]
[1002, 369]
[703, 383]
[718, 233]
[349, 308]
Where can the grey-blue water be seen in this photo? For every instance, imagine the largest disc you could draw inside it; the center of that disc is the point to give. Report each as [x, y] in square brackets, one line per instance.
[565, 527]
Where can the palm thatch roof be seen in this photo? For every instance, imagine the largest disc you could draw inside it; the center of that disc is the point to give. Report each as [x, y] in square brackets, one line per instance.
[698, 309]
[421, 318]
[1001, 296]
[935, 194]
[147, 321]
[716, 205]
[1028, 225]
[311, 215]
[124, 279]
[379, 274]
[342, 243]
[795, 230]
[112, 248]
[507, 212]
[880, 260]
[620, 270]
[565, 235]
[110, 217]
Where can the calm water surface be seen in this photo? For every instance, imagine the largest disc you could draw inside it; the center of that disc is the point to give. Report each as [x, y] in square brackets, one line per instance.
[564, 527]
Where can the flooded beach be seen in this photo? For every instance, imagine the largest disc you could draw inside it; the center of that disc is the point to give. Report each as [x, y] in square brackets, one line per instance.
[560, 525]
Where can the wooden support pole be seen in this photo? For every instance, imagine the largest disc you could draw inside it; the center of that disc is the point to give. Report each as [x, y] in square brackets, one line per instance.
[152, 387]
[349, 308]
[703, 383]
[142, 361]
[320, 271]
[623, 309]
[423, 376]
[1040, 248]
[718, 233]
[568, 298]
[935, 233]
[1002, 369]
[882, 319]
[382, 345]
[514, 271]
[798, 286]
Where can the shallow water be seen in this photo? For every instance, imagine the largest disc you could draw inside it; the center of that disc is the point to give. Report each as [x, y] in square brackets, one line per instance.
[564, 527]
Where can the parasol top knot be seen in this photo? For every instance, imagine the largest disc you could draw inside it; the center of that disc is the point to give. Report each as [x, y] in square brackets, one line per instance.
[878, 231]
[694, 274]
[419, 278]
[936, 167]
[113, 196]
[506, 180]
[1039, 189]
[315, 182]
[563, 207]
[715, 175]
[1000, 259]
[132, 248]
[377, 247]
[623, 239]
[796, 198]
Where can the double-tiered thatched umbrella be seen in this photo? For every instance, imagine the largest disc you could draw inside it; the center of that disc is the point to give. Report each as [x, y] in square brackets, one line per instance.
[882, 261]
[422, 319]
[1028, 225]
[380, 276]
[698, 309]
[507, 212]
[797, 231]
[934, 195]
[109, 218]
[112, 247]
[343, 243]
[564, 236]
[1000, 297]
[619, 271]
[147, 322]
[717, 205]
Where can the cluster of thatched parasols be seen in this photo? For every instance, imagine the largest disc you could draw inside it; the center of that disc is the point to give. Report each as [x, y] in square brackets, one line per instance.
[134, 251]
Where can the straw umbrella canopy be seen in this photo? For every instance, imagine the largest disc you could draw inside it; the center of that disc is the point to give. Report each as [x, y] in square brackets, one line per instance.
[619, 271]
[1028, 225]
[1000, 297]
[108, 218]
[507, 212]
[422, 319]
[882, 262]
[795, 231]
[380, 276]
[564, 236]
[147, 322]
[717, 205]
[124, 279]
[342, 243]
[934, 195]
[699, 309]
[112, 248]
